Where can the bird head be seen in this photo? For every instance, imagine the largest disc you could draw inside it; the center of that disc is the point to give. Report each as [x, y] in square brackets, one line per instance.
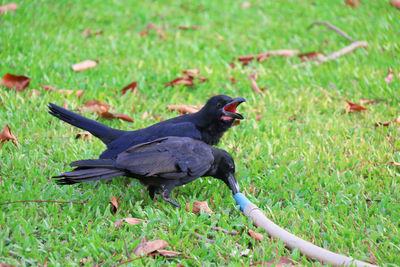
[223, 108]
[224, 169]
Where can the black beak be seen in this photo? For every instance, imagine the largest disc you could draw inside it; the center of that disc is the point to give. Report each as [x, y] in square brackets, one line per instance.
[229, 109]
[232, 183]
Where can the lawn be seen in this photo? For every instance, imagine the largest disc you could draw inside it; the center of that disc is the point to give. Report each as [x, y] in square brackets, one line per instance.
[316, 170]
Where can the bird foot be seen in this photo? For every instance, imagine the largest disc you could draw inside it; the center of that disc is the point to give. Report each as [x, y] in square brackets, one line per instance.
[165, 196]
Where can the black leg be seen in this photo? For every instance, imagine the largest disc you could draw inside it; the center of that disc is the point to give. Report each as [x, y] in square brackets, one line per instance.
[165, 195]
[152, 190]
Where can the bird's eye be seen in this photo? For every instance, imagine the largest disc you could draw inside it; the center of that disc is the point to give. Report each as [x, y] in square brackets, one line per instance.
[219, 105]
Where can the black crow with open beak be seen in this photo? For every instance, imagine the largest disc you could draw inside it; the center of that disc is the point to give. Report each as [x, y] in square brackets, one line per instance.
[207, 125]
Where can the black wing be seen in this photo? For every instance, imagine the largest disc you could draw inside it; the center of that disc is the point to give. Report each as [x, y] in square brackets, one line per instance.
[169, 158]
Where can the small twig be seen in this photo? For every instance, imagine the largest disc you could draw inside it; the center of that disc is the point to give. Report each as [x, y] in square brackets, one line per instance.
[225, 231]
[40, 201]
[334, 55]
[333, 28]
[126, 248]
[206, 239]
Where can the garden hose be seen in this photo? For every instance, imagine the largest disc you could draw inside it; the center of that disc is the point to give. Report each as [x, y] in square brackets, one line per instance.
[292, 241]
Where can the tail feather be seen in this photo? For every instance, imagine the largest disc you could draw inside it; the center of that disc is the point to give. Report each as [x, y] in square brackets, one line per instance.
[87, 175]
[103, 132]
[105, 163]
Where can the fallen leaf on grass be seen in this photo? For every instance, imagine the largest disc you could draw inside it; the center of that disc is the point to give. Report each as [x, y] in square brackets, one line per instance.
[106, 115]
[96, 106]
[281, 262]
[384, 124]
[183, 109]
[389, 77]
[351, 107]
[259, 117]
[353, 3]
[123, 117]
[7, 135]
[84, 65]
[17, 82]
[255, 235]
[395, 3]
[168, 253]
[114, 204]
[83, 135]
[9, 7]
[187, 81]
[197, 206]
[132, 87]
[131, 221]
[310, 56]
[149, 246]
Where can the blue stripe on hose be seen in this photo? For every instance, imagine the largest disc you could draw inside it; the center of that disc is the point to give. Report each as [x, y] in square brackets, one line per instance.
[241, 200]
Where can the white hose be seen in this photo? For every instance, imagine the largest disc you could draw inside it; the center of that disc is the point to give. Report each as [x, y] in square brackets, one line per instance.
[292, 241]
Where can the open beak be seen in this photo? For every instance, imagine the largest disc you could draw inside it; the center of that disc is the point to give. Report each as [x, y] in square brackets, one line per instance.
[232, 183]
[229, 110]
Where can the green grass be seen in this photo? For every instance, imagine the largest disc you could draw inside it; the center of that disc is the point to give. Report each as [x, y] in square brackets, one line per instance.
[293, 167]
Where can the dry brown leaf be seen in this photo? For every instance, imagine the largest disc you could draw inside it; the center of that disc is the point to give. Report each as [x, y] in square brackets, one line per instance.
[390, 75]
[184, 27]
[17, 82]
[114, 204]
[395, 3]
[123, 117]
[84, 135]
[84, 65]
[246, 5]
[202, 79]
[79, 93]
[259, 117]
[310, 56]
[191, 73]
[183, 109]
[255, 235]
[143, 33]
[152, 26]
[281, 262]
[232, 64]
[149, 246]
[367, 101]
[106, 115]
[351, 107]
[96, 106]
[7, 135]
[197, 206]
[9, 7]
[284, 52]
[131, 221]
[353, 3]
[384, 124]
[168, 253]
[187, 81]
[132, 87]
[196, 27]
[233, 80]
